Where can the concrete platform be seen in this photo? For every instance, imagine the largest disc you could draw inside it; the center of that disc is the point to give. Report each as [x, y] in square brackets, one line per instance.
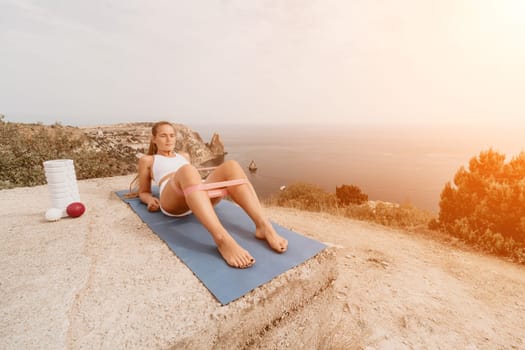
[105, 281]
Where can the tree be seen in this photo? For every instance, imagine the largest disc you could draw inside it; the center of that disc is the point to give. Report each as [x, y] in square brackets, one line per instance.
[489, 196]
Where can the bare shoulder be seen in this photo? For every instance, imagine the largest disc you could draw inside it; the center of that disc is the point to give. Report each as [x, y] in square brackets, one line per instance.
[146, 160]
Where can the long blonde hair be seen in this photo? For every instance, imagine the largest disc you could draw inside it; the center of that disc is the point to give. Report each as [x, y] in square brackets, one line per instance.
[152, 149]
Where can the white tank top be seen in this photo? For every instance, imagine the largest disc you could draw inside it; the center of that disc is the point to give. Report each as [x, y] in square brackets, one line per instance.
[164, 165]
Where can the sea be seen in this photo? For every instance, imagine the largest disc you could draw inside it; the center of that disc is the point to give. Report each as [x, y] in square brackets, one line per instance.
[407, 164]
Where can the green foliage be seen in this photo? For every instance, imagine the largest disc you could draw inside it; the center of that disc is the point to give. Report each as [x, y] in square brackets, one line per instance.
[350, 194]
[485, 205]
[24, 148]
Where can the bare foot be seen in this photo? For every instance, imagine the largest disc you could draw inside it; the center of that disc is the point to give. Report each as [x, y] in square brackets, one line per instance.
[234, 254]
[276, 242]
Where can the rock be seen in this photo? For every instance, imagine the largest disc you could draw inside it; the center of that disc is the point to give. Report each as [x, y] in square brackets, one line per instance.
[252, 167]
[216, 146]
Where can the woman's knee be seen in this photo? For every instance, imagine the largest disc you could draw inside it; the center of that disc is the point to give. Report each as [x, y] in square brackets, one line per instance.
[188, 173]
[232, 165]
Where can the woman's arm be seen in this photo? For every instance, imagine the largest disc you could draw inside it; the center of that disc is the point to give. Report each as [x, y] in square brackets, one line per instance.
[145, 195]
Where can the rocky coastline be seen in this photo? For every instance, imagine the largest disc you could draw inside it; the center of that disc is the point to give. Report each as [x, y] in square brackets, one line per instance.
[97, 151]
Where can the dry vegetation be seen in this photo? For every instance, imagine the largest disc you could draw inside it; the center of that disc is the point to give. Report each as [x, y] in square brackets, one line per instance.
[310, 197]
[24, 148]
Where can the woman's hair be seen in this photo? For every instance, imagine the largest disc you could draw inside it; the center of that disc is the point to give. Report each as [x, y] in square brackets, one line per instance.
[152, 149]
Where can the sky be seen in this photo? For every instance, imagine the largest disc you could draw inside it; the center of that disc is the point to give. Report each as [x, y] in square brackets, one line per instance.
[252, 62]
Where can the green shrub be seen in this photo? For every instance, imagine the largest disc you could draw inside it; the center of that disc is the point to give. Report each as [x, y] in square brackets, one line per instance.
[485, 205]
[490, 195]
[350, 194]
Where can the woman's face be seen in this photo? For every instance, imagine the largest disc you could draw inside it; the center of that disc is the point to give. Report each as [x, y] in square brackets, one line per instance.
[165, 138]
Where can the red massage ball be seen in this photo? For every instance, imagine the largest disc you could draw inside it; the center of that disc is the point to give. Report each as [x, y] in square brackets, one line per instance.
[75, 209]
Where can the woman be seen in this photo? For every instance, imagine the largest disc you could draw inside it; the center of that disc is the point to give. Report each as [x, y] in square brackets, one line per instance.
[181, 193]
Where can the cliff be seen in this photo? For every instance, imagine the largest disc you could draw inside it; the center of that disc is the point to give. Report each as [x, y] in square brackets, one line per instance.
[99, 151]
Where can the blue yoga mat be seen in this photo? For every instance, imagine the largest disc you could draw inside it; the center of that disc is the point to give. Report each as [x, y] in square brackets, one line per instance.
[192, 243]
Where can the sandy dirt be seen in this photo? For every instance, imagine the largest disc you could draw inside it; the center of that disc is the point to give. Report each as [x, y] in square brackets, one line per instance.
[395, 290]
[398, 290]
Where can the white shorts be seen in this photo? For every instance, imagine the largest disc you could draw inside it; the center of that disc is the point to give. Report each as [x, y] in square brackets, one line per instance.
[161, 188]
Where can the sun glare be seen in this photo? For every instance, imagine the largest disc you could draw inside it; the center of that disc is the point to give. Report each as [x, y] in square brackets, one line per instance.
[514, 9]
[508, 14]
[497, 28]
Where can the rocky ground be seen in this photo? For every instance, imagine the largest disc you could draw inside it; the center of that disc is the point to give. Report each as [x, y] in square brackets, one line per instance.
[400, 290]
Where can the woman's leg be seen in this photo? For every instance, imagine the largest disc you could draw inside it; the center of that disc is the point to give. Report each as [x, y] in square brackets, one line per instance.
[245, 196]
[202, 207]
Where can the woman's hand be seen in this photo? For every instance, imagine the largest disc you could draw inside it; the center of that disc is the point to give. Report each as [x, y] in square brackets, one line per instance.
[153, 204]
